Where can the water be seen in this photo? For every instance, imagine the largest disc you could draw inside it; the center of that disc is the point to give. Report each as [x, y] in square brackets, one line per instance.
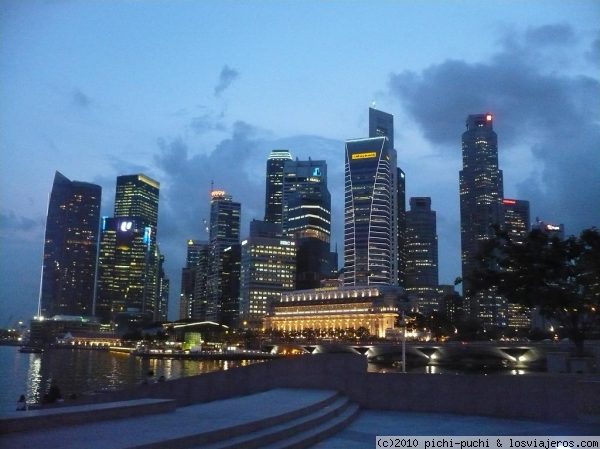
[84, 372]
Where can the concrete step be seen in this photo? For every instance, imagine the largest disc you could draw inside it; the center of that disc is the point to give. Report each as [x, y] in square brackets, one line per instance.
[187, 427]
[285, 430]
[51, 418]
[312, 436]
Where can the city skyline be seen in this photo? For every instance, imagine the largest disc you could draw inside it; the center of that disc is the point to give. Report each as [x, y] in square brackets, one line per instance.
[121, 96]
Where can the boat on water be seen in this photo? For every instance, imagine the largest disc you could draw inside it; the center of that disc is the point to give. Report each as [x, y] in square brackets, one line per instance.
[31, 349]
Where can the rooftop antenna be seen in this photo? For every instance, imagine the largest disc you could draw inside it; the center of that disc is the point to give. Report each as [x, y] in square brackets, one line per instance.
[373, 104]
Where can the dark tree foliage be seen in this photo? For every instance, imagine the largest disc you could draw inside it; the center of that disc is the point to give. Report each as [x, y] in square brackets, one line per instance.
[560, 277]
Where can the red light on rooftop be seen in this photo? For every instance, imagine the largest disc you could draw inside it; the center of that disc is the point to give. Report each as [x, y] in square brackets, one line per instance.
[509, 201]
[488, 117]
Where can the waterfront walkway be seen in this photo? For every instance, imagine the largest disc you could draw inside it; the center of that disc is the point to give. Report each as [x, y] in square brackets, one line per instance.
[279, 418]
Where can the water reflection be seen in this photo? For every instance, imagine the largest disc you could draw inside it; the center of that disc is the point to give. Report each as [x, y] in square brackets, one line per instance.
[78, 372]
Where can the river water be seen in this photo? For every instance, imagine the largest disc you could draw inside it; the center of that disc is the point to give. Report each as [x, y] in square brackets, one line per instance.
[85, 372]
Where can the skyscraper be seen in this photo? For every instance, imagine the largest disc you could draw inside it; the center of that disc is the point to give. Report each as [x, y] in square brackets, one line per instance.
[372, 228]
[197, 256]
[481, 192]
[516, 219]
[224, 233]
[268, 269]
[422, 254]
[128, 264]
[70, 248]
[307, 218]
[274, 185]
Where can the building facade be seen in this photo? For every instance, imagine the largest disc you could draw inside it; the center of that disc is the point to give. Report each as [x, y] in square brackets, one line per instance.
[481, 193]
[370, 213]
[307, 218]
[422, 254]
[70, 248]
[268, 270]
[224, 232]
[375, 308]
[129, 262]
[196, 255]
[274, 185]
[516, 219]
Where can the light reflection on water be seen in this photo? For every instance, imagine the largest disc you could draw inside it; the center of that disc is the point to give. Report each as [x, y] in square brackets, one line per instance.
[437, 369]
[84, 372]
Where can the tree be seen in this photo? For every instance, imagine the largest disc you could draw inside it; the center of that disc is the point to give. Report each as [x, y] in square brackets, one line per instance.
[560, 277]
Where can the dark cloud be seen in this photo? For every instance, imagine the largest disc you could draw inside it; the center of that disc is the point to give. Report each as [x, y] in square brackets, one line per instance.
[237, 164]
[80, 99]
[593, 55]
[208, 122]
[553, 114]
[11, 223]
[554, 34]
[226, 77]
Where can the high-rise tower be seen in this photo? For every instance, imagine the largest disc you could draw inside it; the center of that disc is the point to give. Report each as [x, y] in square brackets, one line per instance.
[70, 248]
[274, 185]
[422, 253]
[307, 218]
[128, 278]
[224, 233]
[372, 218]
[516, 219]
[481, 192]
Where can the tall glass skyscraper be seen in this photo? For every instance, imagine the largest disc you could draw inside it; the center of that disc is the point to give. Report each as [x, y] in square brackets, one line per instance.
[516, 219]
[481, 193]
[224, 233]
[128, 278]
[307, 218]
[70, 248]
[422, 254]
[274, 185]
[370, 213]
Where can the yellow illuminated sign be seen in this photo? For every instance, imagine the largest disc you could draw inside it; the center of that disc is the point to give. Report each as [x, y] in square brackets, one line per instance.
[368, 155]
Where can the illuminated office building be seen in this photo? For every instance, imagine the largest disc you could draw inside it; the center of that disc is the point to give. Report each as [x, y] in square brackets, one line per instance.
[374, 207]
[268, 269]
[422, 254]
[70, 248]
[552, 230]
[128, 269]
[224, 232]
[516, 219]
[307, 218]
[193, 281]
[370, 228]
[274, 185]
[162, 290]
[481, 193]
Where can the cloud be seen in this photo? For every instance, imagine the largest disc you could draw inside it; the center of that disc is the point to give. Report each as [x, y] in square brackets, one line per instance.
[80, 99]
[236, 164]
[553, 34]
[208, 122]
[593, 55]
[549, 116]
[226, 77]
[11, 223]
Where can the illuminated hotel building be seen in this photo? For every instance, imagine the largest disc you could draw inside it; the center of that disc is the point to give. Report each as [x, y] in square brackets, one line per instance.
[422, 254]
[307, 218]
[128, 266]
[274, 185]
[370, 227]
[373, 307]
[224, 232]
[481, 192]
[70, 248]
[268, 269]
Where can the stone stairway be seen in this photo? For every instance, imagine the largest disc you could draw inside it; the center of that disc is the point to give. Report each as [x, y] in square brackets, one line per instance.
[279, 418]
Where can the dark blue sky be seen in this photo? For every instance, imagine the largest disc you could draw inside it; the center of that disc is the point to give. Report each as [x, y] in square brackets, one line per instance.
[193, 91]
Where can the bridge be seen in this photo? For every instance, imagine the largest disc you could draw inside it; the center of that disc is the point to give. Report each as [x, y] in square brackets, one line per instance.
[476, 354]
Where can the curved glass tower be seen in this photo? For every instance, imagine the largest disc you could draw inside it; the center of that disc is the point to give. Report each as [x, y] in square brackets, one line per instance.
[370, 224]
